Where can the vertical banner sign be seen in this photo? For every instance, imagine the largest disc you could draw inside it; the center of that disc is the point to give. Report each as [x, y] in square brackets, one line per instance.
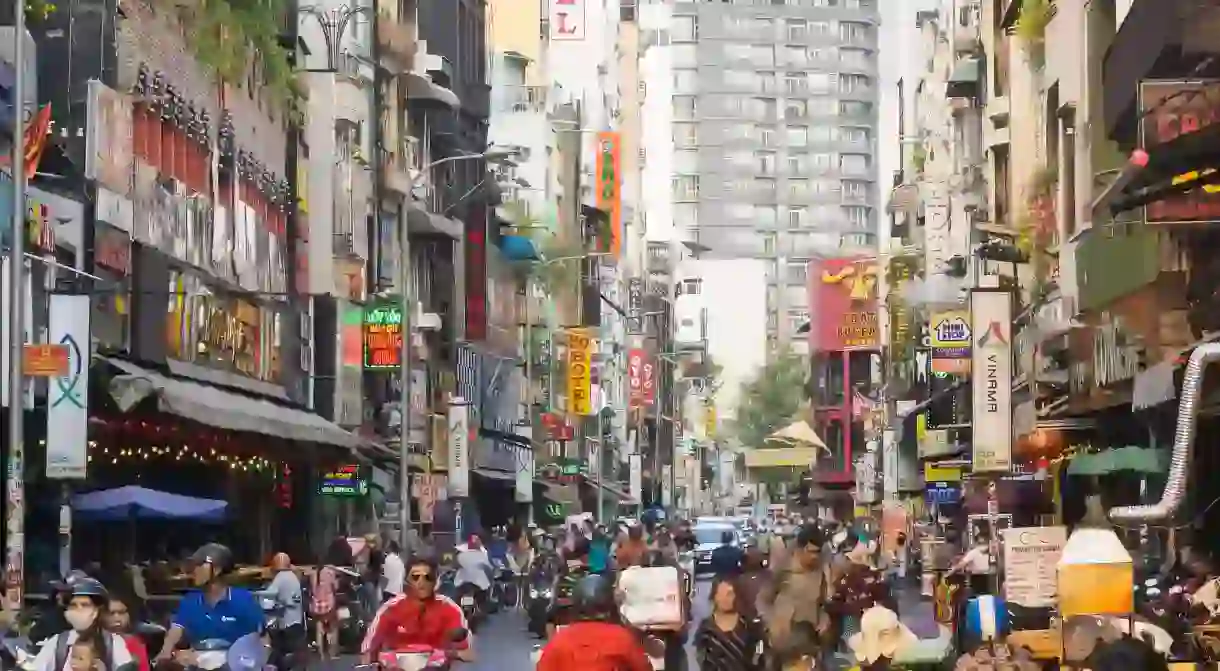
[635, 305]
[525, 466]
[635, 378]
[580, 379]
[667, 491]
[648, 381]
[609, 198]
[991, 381]
[567, 20]
[459, 447]
[382, 335]
[5, 327]
[950, 331]
[635, 477]
[68, 396]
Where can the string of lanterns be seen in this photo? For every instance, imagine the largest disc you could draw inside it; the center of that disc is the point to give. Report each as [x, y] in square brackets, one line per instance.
[115, 455]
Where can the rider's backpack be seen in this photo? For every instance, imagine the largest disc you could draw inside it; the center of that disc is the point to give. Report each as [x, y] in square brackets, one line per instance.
[62, 646]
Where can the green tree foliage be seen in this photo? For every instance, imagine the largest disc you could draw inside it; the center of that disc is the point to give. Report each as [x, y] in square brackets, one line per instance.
[771, 399]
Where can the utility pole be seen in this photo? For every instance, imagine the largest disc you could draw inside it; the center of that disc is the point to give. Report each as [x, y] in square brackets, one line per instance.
[14, 546]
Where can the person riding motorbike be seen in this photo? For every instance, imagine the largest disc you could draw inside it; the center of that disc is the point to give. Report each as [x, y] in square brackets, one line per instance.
[87, 598]
[419, 617]
[595, 639]
[575, 569]
[288, 634]
[49, 615]
[215, 610]
[475, 569]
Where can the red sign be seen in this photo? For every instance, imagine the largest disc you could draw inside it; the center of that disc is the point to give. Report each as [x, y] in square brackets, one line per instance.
[1179, 108]
[641, 375]
[843, 295]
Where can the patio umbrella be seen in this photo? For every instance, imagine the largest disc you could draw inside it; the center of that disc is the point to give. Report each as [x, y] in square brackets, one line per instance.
[798, 434]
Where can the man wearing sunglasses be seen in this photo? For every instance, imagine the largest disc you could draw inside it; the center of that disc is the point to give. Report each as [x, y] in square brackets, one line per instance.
[419, 616]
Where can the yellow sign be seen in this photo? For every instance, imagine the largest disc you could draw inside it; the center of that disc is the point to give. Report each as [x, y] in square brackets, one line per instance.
[580, 379]
[709, 419]
[859, 278]
[933, 473]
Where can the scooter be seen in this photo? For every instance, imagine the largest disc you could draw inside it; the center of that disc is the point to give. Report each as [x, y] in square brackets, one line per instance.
[538, 598]
[418, 657]
[352, 616]
[503, 587]
[472, 600]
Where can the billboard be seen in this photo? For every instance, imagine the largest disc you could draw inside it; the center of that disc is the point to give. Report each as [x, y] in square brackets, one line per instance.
[1176, 108]
[609, 187]
[991, 380]
[950, 332]
[580, 373]
[641, 378]
[843, 300]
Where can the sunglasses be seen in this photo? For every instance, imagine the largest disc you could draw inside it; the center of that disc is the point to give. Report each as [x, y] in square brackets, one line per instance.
[421, 577]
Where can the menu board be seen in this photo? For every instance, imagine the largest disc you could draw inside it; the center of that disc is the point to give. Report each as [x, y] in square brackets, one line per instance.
[346, 480]
[1031, 561]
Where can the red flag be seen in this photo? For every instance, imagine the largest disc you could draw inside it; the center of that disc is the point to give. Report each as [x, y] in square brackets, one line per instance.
[36, 133]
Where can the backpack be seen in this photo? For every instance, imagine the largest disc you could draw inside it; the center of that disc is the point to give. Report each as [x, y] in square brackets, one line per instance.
[62, 645]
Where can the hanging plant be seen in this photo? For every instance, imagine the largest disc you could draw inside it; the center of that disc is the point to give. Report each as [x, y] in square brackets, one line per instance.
[1031, 26]
[919, 158]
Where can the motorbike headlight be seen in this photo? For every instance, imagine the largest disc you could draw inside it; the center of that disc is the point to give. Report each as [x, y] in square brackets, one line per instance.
[545, 594]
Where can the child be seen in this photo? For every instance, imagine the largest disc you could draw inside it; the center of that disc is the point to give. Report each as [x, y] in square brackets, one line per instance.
[85, 656]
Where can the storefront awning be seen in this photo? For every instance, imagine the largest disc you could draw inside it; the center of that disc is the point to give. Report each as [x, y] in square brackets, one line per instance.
[964, 80]
[224, 409]
[423, 222]
[493, 474]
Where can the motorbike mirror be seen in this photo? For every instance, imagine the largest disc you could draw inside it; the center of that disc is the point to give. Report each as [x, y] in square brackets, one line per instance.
[457, 635]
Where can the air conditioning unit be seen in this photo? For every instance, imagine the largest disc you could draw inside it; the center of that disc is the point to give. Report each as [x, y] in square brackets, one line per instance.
[344, 243]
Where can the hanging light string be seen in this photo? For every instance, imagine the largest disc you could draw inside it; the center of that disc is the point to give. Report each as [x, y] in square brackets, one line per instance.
[115, 455]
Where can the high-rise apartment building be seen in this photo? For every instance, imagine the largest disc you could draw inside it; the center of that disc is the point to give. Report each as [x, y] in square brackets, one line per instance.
[774, 125]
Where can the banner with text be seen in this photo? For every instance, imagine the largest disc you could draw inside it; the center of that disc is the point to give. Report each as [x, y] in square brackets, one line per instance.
[68, 396]
[640, 378]
[843, 295]
[991, 379]
[580, 373]
[459, 447]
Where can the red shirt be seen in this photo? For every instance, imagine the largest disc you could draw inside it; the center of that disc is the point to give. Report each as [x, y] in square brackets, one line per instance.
[405, 621]
[594, 645]
[138, 651]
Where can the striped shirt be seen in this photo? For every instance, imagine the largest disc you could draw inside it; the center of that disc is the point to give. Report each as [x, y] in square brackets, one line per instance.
[736, 650]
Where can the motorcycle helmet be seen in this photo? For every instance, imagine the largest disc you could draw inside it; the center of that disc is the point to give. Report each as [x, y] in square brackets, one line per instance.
[87, 587]
[219, 556]
[593, 598]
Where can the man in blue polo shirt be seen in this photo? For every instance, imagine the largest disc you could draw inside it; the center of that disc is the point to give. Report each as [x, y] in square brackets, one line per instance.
[215, 610]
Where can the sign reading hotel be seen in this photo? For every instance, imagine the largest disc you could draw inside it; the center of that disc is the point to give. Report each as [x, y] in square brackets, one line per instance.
[580, 372]
[382, 336]
[844, 304]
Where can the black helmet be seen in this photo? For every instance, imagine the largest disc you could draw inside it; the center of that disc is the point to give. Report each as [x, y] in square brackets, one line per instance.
[593, 598]
[87, 587]
[219, 556]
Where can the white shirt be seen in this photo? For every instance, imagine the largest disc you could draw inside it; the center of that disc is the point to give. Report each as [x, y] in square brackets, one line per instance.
[976, 561]
[45, 659]
[394, 572]
[474, 566]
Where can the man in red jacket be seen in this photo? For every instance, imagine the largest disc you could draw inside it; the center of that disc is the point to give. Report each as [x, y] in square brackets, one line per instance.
[419, 617]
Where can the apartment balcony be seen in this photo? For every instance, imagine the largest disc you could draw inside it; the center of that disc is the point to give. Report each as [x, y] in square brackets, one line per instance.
[397, 38]
[516, 98]
[395, 170]
[659, 258]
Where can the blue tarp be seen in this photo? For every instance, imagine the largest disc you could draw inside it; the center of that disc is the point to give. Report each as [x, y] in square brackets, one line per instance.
[518, 248]
[133, 502]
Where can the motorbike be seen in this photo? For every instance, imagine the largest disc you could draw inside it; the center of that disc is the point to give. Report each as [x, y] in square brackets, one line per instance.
[418, 657]
[248, 653]
[17, 653]
[538, 598]
[503, 586]
[472, 600]
[686, 562]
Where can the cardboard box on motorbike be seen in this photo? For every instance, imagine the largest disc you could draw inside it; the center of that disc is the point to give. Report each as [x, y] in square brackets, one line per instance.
[653, 598]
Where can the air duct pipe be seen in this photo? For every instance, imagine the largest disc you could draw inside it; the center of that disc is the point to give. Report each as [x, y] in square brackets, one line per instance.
[1183, 445]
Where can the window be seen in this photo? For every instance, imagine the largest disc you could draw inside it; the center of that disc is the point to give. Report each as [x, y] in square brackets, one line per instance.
[683, 56]
[764, 186]
[763, 26]
[796, 217]
[855, 190]
[739, 131]
[767, 137]
[685, 213]
[764, 215]
[740, 80]
[769, 246]
[686, 134]
[740, 211]
[822, 161]
[797, 165]
[824, 106]
[797, 271]
[762, 108]
[854, 33]
[822, 134]
[796, 320]
[685, 107]
[853, 83]
[794, 55]
[684, 28]
[853, 135]
[735, 51]
[796, 82]
[798, 30]
[855, 109]
[686, 187]
[739, 186]
[856, 58]
[853, 164]
[765, 160]
[740, 159]
[730, 105]
[822, 82]
[766, 82]
[821, 28]
[825, 186]
[798, 188]
[823, 54]
[762, 55]
[686, 161]
[798, 136]
[857, 217]
[643, 156]
[686, 80]
[795, 109]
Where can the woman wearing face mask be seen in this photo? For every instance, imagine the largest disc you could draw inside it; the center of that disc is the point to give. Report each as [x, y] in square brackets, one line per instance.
[83, 612]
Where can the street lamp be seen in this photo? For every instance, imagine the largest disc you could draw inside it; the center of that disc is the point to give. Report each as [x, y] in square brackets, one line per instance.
[407, 303]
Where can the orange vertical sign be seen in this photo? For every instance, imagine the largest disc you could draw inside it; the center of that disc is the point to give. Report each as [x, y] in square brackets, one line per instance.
[609, 186]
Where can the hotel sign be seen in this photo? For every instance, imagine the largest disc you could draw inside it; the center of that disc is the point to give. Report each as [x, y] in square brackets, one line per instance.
[382, 336]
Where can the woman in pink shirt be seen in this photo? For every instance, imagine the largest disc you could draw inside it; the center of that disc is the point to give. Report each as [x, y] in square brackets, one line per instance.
[325, 611]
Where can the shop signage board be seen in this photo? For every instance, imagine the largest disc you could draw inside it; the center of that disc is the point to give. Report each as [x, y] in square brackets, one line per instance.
[580, 373]
[68, 394]
[635, 305]
[991, 380]
[1031, 561]
[845, 298]
[1191, 109]
[609, 185]
[382, 336]
[640, 377]
[951, 338]
[344, 480]
[567, 20]
[524, 490]
[46, 360]
[459, 447]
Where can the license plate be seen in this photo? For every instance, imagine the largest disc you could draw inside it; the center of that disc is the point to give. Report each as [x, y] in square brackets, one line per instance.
[468, 601]
[345, 614]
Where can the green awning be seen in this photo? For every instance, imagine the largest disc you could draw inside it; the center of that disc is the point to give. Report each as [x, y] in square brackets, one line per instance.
[964, 80]
[1132, 459]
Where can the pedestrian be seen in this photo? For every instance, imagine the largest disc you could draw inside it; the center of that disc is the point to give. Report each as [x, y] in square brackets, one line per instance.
[393, 571]
[727, 640]
[799, 621]
[976, 564]
[599, 551]
[860, 587]
[323, 607]
[118, 621]
[288, 634]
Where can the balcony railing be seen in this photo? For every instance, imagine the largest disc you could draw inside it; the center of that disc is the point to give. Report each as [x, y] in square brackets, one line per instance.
[518, 98]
